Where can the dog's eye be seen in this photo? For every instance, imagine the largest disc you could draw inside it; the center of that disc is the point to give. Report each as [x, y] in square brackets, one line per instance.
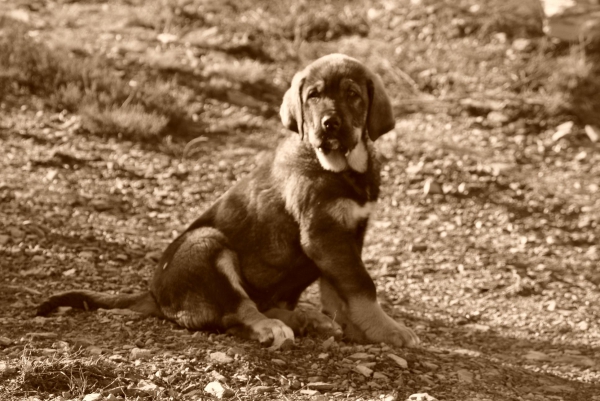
[352, 94]
[312, 94]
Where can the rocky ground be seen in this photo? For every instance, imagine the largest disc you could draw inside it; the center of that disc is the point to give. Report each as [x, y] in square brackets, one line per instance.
[485, 239]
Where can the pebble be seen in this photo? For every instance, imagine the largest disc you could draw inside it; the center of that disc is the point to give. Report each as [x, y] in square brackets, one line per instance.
[522, 44]
[261, 389]
[216, 389]
[94, 350]
[4, 239]
[278, 362]
[363, 370]
[41, 335]
[400, 361]
[536, 356]
[361, 356]
[464, 376]
[235, 351]
[379, 376]
[6, 369]
[93, 397]
[430, 366]
[220, 357]
[421, 397]
[328, 343]
[147, 387]
[140, 353]
[217, 376]
[320, 386]
[5, 341]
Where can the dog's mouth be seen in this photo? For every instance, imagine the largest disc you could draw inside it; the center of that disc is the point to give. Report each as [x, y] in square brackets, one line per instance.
[328, 146]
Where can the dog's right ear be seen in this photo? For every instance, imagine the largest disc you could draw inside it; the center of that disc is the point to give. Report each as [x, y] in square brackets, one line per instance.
[291, 113]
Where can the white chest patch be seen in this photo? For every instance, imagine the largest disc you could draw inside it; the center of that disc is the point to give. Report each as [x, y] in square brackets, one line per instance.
[349, 213]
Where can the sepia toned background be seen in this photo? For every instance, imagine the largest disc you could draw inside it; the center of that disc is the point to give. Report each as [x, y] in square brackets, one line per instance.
[121, 121]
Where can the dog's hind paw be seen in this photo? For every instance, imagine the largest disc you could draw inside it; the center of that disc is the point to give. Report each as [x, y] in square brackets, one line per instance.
[317, 322]
[273, 332]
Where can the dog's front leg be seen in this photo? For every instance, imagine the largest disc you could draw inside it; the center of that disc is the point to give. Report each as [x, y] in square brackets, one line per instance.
[348, 292]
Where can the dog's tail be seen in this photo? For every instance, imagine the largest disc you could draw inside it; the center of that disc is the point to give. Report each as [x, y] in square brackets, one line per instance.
[142, 302]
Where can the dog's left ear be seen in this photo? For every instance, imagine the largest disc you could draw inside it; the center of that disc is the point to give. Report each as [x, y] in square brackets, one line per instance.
[291, 112]
[380, 118]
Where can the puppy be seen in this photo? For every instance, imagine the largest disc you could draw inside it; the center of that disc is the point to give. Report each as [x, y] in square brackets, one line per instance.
[301, 216]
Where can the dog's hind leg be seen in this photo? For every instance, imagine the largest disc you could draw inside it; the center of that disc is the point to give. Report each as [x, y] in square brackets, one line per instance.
[199, 287]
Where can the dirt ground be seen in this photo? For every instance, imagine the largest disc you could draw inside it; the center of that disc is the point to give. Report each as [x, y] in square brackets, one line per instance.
[485, 239]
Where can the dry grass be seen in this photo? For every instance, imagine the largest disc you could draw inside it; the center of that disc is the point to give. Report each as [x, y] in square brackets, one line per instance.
[90, 86]
[67, 372]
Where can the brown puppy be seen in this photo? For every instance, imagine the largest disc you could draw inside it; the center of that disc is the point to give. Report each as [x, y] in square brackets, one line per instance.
[299, 217]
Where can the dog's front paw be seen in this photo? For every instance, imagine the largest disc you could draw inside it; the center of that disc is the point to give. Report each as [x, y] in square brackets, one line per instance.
[272, 332]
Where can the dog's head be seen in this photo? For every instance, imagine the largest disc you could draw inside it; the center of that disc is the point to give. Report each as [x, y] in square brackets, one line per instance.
[334, 104]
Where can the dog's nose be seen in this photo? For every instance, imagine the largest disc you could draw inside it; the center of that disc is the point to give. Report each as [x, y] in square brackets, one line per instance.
[331, 123]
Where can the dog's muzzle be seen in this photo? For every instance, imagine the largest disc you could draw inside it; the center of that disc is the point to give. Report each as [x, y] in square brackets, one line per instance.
[328, 145]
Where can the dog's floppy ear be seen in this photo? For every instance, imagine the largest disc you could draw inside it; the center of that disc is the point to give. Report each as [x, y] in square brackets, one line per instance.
[291, 113]
[380, 118]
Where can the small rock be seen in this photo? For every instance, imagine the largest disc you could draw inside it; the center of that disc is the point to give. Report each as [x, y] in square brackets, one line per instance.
[69, 272]
[5, 368]
[5, 341]
[220, 357]
[363, 370]
[592, 132]
[216, 389]
[166, 38]
[497, 118]
[562, 130]
[417, 247]
[16, 233]
[400, 361]
[576, 360]
[233, 351]
[430, 366]
[4, 239]
[261, 390]
[93, 397]
[464, 376]
[309, 392]
[278, 362]
[219, 377]
[360, 356]
[432, 188]
[147, 387]
[41, 335]
[321, 386]
[421, 397]
[122, 257]
[559, 389]
[140, 353]
[379, 376]
[522, 45]
[328, 343]
[536, 356]
[94, 350]
[87, 255]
